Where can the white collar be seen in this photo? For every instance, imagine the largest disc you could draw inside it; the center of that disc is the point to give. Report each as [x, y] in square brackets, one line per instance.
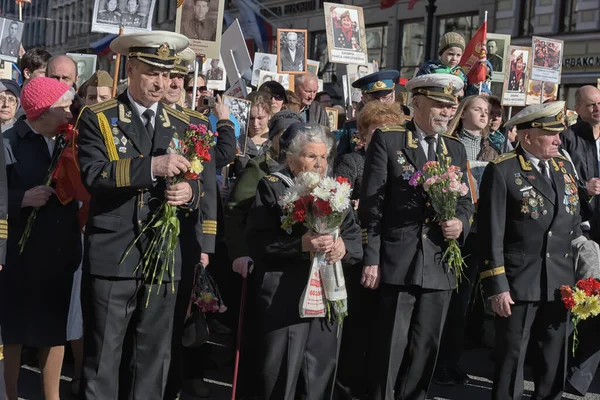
[534, 160]
[139, 109]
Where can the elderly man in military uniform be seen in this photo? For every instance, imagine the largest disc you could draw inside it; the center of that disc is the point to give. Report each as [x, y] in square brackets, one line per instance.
[131, 17]
[198, 27]
[378, 86]
[405, 240]
[124, 159]
[529, 212]
[110, 14]
[10, 45]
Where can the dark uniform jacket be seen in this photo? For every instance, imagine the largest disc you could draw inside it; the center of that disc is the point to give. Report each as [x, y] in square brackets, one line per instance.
[3, 206]
[54, 245]
[579, 141]
[403, 237]
[124, 195]
[526, 229]
[282, 268]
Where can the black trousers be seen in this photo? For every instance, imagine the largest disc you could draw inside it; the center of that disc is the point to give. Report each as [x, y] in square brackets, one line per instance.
[408, 335]
[583, 366]
[117, 322]
[544, 324]
[2, 387]
[453, 337]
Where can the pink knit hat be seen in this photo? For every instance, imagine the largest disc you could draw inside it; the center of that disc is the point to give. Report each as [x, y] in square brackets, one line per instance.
[40, 94]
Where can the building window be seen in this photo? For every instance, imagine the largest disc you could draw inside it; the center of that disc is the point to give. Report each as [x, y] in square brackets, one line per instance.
[526, 16]
[377, 44]
[568, 16]
[413, 34]
[466, 25]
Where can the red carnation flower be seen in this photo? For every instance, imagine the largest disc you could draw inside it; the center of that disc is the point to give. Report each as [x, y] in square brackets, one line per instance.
[341, 180]
[322, 208]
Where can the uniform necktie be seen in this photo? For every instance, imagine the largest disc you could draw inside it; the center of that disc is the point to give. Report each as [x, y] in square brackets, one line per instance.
[430, 147]
[149, 115]
[544, 170]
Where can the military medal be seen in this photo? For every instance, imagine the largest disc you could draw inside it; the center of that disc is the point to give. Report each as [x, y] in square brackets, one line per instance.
[401, 159]
[124, 141]
[535, 215]
[518, 180]
[115, 131]
[113, 121]
[123, 150]
[116, 140]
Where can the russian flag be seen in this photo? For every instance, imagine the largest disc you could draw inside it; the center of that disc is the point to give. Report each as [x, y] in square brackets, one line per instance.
[102, 46]
[255, 26]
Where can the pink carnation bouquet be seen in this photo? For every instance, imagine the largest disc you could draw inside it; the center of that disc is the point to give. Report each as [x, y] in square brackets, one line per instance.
[443, 183]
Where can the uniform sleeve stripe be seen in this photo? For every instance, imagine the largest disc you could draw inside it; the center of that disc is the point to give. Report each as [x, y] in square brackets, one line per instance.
[111, 148]
[123, 172]
[492, 272]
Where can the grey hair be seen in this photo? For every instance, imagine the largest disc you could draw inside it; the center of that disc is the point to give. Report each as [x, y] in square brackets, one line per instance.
[68, 96]
[301, 78]
[310, 133]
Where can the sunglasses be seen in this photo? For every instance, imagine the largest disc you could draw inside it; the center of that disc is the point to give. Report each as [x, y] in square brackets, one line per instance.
[200, 89]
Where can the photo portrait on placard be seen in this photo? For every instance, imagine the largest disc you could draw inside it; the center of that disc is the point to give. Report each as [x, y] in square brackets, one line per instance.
[214, 71]
[202, 22]
[240, 109]
[313, 66]
[538, 89]
[547, 59]
[346, 34]
[134, 15]
[497, 50]
[517, 69]
[332, 114]
[263, 62]
[86, 66]
[357, 71]
[266, 76]
[292, 51]
[10, 40]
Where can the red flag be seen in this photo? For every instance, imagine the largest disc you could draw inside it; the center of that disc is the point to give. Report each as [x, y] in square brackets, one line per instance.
[473, 61]
[390, 3]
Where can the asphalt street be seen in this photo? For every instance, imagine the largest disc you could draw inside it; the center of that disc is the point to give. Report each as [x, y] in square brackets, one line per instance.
[475, 362]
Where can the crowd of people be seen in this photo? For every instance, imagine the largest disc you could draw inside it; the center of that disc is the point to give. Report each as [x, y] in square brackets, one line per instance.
[76, 278]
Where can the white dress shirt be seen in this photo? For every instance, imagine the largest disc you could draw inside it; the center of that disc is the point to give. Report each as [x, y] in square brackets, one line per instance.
[140, 109]
[423, 142]
[536, 163]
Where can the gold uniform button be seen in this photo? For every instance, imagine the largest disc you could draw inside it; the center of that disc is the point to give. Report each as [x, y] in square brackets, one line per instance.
[549, 233]
[571, 232]
[547, 255]
[139, 221]
[426, 220]
[424, 236]
[567, 255]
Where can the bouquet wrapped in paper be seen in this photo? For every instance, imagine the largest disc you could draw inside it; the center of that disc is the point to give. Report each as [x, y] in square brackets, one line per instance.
[321, 204]
[163, 228]
[443, 183]
[205, 294]
[583, 300]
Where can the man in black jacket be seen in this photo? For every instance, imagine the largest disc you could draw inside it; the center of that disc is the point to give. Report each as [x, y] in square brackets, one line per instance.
[306, 87]
[404, 240]
[123, 156]
[581, 141]
[529, 212]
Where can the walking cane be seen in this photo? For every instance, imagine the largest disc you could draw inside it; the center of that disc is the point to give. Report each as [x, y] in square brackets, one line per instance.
[239, 334]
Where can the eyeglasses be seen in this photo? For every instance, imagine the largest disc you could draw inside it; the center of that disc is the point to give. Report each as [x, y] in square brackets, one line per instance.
[10, 100]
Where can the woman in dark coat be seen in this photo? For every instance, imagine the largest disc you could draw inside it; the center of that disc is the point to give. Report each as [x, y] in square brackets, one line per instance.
[35, 285]
[298, 355]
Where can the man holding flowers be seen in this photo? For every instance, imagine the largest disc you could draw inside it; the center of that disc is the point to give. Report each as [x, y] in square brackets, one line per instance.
[125, 162]
[406, 242]
[529, 212]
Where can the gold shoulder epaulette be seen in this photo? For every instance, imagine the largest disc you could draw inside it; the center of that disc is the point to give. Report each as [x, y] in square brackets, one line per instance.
[451, 137]
[178, 114]
[562, 157]
[195, 114]
[272, 178]
[105, 105]
[505, 156]
[392, 128]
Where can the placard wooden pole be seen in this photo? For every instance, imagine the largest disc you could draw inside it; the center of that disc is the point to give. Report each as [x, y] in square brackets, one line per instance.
[117, 68]
[20, 11]
[542, 94]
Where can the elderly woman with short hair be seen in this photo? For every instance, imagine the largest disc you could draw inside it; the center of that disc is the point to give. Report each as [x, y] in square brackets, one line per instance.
[35, 285]
[298, 355]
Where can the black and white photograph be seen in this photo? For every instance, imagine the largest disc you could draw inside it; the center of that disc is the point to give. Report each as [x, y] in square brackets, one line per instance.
[202, 22]
[214, 71]
[292, 51]
[266, 76]
[240, 109]
[86, 66]
[332, 114]
[357, 71]
[346, 33]
[497, 50]
[10, 40]
[134, 15]
[263, 62]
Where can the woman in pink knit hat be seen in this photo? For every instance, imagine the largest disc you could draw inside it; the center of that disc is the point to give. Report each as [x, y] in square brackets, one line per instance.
[35, 285]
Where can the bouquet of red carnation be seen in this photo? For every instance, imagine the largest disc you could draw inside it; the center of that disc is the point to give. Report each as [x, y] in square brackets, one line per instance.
[321, 204]
[163, 227]
[583, 300]
[443, 183]
[65, 139]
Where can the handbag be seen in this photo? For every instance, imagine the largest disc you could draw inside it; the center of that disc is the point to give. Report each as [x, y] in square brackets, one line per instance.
[195, 327]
